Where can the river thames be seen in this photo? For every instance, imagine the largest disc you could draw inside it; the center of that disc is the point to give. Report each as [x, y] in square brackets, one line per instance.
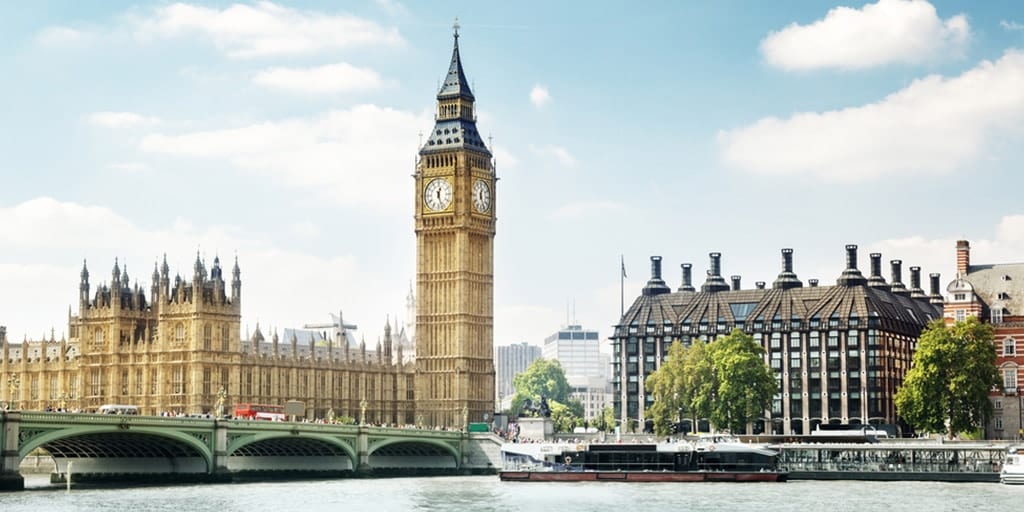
[486, 493]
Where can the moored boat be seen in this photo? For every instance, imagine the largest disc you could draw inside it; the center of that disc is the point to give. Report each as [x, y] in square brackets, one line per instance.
[715, 459]
[1013, 466]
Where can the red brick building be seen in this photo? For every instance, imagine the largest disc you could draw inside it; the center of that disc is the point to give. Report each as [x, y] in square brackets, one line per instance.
[994, 293]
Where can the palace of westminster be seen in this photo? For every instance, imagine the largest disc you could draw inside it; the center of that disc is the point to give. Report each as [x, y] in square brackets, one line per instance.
[181, 349]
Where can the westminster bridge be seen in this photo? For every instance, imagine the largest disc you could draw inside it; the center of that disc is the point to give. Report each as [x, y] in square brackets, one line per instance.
[100, 447]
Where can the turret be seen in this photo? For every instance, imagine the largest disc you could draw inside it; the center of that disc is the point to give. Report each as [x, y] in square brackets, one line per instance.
[387, 341]
[83, 289]
[165, 280]
[236, 284]
[154, 289]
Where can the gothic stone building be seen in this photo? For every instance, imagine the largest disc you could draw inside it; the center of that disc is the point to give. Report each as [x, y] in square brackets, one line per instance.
[176, 353]
[455, 205]
[177, 350]
[839, 353]
[994, 293]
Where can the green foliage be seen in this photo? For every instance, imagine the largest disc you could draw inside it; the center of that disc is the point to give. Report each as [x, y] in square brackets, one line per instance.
[546, 378]
[725, 381]
[946, 389]
[746, 384]
[606, 420]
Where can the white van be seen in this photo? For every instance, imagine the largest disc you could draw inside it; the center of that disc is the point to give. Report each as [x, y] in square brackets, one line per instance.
[118, 409]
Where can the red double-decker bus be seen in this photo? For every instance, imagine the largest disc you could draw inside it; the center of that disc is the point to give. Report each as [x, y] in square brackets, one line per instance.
[259, 412]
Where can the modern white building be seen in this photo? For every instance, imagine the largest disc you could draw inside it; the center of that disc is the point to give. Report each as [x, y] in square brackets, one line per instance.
[579, 352]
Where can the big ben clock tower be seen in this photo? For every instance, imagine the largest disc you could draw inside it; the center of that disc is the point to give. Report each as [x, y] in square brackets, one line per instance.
[455, 226]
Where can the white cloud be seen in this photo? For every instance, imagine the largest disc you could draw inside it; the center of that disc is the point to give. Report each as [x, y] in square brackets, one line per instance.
[392, 7]
[305, 229]
[890, 31]
[121, 119]
[280, 286]
[130, 167]
[64, 37]
[939, 254]
[264, 29]
[934, 125]
[330, 78]
[1011, 25]
[540, 96]
[558, 153]
[357, 157]
[586, 209]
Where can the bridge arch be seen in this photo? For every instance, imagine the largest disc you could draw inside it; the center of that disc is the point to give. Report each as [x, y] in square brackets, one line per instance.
[113, 442]
[289, 451]
[398, 452]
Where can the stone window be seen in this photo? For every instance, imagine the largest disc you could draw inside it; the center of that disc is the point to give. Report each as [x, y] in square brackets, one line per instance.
[179, 334]
[225, 338]
[1010, 379]
[207, 337]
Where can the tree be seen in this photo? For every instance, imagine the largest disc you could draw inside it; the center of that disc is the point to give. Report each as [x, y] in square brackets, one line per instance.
[726, 381]
[667, 386]
[546, 379]
[745, 383]
[946, 389]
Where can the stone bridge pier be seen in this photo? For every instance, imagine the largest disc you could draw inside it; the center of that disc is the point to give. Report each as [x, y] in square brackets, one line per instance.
[10, 478]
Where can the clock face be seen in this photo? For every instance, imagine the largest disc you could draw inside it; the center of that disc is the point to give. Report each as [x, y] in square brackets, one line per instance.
[481, 196]
[438, 194]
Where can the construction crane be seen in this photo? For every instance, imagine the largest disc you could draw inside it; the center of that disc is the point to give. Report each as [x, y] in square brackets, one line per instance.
[338, 325]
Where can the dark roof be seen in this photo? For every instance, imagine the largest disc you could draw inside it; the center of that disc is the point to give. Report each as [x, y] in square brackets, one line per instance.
[893, 312]
[451, 134]
[455, 83]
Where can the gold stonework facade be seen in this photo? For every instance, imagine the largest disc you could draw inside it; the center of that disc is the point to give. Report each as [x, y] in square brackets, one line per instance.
[176, 353]
[455, 227]
[181, 349]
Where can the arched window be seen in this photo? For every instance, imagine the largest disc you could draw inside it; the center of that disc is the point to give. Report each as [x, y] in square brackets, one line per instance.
[179, 333]
[97, 337]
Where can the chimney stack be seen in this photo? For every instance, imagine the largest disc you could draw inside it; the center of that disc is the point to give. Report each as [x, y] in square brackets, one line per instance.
[656, 286]
[715, 281]
[813, 283]
[897, 278]
[963, 258]
[787, 278]
[851, 276]
[876, 280]
[935, 297]
[735, 282]
[759, 285]
[915, 284]
[687, 285]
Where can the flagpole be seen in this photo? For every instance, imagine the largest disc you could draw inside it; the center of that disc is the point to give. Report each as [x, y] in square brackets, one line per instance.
[622, 287]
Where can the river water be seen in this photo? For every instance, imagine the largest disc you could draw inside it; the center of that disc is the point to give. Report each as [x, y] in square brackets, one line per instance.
[486, 493]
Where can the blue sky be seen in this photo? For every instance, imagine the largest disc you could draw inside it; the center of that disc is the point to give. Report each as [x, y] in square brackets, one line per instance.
[286, 133]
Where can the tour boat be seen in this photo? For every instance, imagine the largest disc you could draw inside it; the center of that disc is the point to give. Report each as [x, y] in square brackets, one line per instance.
[715, 459]
[1013, 466]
